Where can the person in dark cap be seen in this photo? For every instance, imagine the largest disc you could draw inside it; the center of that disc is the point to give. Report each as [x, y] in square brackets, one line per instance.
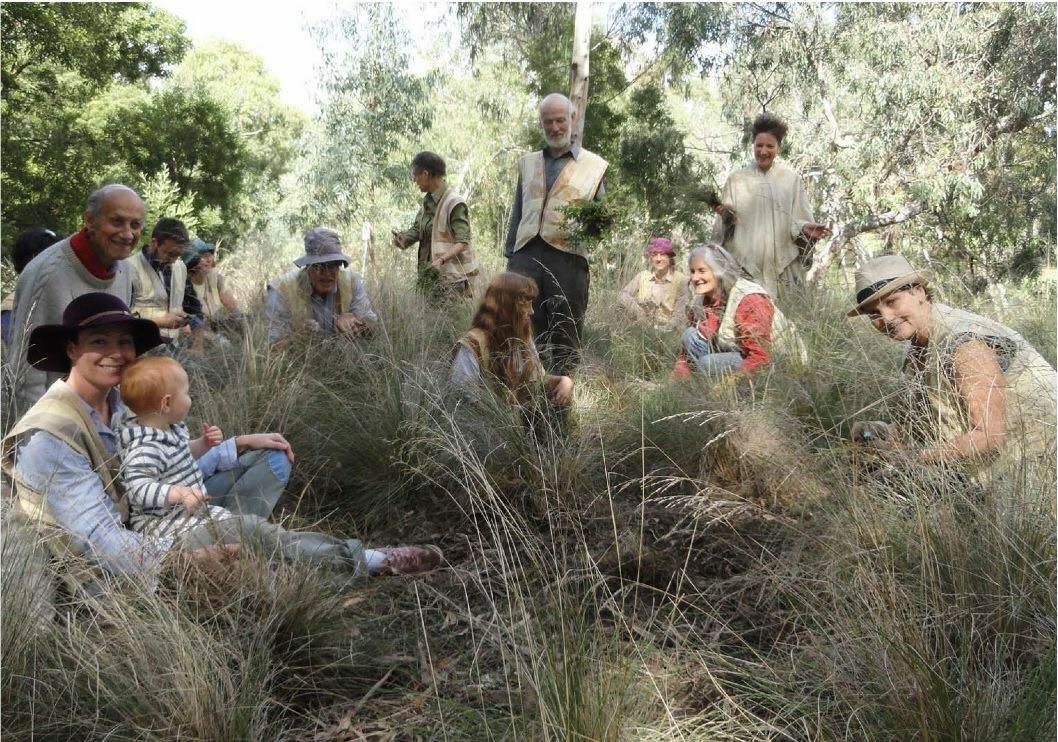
[322, 296]
[981, 397]
[62, 458]
[28, 245]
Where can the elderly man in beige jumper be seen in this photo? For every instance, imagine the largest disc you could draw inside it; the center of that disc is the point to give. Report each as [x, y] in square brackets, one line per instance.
[91, 260]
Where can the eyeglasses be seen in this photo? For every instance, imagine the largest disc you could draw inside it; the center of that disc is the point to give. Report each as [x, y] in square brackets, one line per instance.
[331, 267]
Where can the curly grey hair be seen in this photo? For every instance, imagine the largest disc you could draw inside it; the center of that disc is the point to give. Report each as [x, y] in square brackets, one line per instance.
[720, 262]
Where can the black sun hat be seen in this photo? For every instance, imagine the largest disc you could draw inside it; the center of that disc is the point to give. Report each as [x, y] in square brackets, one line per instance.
[47, 343]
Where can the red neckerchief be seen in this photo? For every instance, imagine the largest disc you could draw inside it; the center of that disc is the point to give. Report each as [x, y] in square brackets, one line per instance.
[82, 248]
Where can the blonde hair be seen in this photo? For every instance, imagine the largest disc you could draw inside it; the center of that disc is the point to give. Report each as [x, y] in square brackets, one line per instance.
[146, 381]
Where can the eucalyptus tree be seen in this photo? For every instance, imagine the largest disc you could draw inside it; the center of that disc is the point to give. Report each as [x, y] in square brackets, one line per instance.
[927, 119]
[55, 59]
[371, 106]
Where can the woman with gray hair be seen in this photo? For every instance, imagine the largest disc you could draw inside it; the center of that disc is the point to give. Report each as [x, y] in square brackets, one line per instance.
[733, 323]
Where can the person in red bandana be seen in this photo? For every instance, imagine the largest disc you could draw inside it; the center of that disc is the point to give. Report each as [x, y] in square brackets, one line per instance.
[91, 260]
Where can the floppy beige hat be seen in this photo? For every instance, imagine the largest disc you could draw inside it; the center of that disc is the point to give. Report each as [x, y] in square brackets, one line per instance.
[881, 276]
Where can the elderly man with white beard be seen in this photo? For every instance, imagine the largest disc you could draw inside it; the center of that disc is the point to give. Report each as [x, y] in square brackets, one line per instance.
[537, 244]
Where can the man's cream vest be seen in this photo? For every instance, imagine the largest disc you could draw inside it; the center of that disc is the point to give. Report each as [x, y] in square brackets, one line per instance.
[785, 341]
[542, 210]
[463, 266]
[61, 413]
[296, 290]
[1030, 397]
[150, 300]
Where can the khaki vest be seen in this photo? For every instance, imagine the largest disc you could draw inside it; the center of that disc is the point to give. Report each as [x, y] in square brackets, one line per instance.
[208, 293]
[295, 288]
[150, 299]
[542, 210]
[645, 294]
[785, 340]
[465, 265]
[61, 413]
[1030, 398]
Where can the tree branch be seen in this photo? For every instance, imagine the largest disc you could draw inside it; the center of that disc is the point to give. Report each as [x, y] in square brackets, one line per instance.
[825, 251]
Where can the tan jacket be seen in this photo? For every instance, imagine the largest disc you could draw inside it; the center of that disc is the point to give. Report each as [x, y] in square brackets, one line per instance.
[61, 413]
[465, 265]
[542, 210]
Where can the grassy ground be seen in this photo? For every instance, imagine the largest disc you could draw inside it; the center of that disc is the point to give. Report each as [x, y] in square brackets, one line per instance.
[684, 562]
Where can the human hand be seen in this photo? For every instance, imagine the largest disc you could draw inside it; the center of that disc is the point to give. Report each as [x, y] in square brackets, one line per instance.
[189, 497]
[562, 391]
[876, 434]
[349, 324]
[215, 553]
[438, 262]
[727, 212]
[258, 441]
[815, 231]
[172, 320]
[398, 240]
[211, 435]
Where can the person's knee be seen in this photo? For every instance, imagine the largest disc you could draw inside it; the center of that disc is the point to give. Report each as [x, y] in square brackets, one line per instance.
[688, 337]
[279, 464]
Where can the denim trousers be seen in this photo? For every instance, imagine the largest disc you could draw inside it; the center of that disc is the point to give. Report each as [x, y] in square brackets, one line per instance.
[707, 359]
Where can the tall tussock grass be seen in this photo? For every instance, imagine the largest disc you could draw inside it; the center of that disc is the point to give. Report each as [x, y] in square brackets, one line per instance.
[673, 560]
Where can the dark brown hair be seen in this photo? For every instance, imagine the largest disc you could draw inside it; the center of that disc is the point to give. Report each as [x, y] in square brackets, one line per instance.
[769, 123]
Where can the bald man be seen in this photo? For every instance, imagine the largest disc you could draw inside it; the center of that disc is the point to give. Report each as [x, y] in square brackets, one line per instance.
[537, 238]
[93, 259]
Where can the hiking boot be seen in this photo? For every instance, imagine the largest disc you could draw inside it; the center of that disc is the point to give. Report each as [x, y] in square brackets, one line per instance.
[408, 560]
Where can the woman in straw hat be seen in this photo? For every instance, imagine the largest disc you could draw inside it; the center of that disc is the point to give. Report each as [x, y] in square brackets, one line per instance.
[979, 389]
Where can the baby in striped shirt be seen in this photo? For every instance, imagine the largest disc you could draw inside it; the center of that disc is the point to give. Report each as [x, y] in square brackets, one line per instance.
[164, 485]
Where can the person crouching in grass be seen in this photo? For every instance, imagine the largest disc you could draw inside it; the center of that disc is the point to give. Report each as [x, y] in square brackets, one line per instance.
[499, 352]
[733, 323]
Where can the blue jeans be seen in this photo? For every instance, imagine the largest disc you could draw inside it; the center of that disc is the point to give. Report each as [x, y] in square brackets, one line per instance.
[705, 358]
[253, 487]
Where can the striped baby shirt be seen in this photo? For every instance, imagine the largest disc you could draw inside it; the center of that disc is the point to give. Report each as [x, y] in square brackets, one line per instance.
[153, 460]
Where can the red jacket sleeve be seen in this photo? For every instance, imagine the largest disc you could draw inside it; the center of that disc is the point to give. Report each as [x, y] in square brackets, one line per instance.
[753, 327]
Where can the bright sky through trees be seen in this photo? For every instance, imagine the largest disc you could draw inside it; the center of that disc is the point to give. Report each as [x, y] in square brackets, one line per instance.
[278, 33]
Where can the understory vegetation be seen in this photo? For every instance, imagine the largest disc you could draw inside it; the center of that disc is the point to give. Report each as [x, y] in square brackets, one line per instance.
[680, 561]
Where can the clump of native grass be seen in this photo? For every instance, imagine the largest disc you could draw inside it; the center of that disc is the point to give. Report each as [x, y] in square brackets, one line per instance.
[677, 560]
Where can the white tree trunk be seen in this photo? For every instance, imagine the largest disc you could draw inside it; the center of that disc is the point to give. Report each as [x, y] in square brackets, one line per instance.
[578, 68]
